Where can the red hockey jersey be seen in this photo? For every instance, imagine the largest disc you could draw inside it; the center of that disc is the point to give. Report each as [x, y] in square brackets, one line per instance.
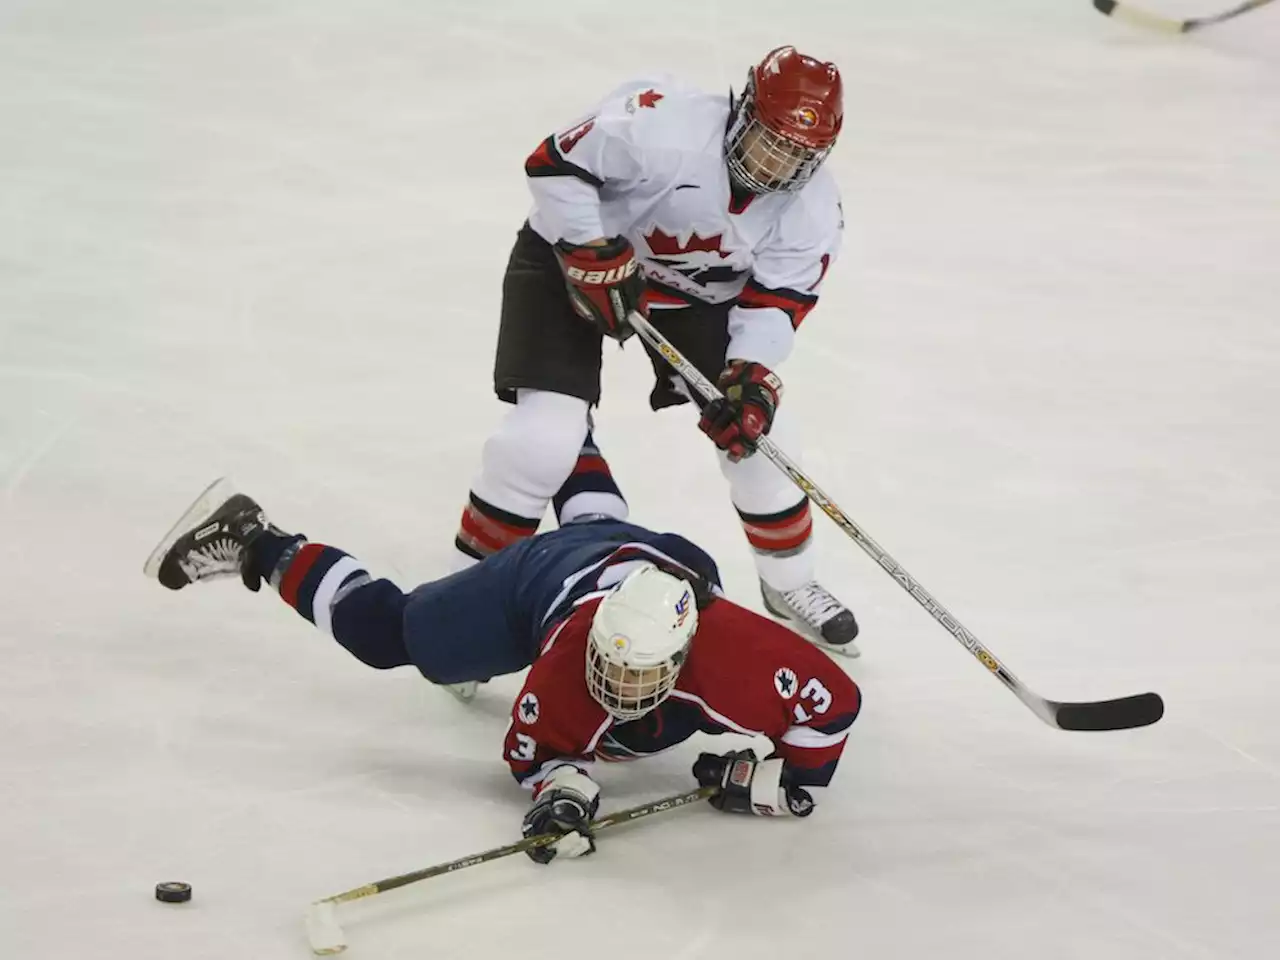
[744, 674]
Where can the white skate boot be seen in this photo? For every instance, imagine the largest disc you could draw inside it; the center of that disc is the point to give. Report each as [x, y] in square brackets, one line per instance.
[815, 614]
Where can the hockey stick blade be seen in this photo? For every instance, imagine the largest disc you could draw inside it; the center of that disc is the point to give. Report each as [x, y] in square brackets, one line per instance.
[324, 932]
[1136, 15]
[1123, 714]
[1126, 713]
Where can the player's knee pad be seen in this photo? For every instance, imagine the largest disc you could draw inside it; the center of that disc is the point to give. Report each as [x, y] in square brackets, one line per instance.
[527, 459]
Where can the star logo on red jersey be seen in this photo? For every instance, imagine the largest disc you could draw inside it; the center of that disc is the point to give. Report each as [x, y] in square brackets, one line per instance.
[784, 681]
[529, 709]
[649, 98]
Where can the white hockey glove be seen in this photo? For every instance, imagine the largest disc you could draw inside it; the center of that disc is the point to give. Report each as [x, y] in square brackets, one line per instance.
[564, 804]
[748, 785]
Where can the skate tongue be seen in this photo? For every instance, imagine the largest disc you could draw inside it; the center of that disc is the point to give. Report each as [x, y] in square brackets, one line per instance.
[813, 603]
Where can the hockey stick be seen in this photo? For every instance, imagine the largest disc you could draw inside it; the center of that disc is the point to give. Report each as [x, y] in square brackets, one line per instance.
[1136, 15]
[325, 934]
[1122, 714]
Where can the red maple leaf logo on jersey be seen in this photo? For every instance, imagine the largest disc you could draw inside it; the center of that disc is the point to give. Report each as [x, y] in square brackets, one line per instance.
[664, 245]
[649, 98]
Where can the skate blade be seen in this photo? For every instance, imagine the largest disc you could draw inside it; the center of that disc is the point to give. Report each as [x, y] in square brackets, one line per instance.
[463, 692]
[213, 497]
[848, 650]
[795, 625]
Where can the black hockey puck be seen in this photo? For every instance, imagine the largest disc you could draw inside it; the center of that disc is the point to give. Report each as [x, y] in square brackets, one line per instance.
[173, 892]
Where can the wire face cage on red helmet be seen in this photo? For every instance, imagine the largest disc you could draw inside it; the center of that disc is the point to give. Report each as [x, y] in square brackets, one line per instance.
[785, 123]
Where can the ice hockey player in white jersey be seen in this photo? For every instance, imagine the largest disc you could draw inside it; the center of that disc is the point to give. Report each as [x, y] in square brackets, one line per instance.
[715, 218]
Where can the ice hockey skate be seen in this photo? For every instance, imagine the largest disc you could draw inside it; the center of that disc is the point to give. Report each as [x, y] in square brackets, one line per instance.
[815, 614]
[210, 540]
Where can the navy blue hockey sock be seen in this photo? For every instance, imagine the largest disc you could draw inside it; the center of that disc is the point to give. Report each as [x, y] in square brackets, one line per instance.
[590, 489]
[265, 552]
[335, 592]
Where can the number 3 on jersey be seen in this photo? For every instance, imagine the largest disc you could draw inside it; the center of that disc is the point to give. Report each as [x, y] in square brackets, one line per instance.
[525, 749]
[818, 697]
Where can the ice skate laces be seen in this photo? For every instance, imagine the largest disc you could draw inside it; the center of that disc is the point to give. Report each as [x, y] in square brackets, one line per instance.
[218, 558]
[812, 603]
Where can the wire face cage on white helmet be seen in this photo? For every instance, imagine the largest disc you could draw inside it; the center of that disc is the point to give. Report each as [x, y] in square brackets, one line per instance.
[640, 637]
[785, 123]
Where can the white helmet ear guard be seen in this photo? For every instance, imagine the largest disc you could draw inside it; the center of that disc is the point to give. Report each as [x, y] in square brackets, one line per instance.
[640, 637]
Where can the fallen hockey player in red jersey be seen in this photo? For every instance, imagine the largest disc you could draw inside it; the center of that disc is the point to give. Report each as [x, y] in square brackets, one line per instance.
[716, 218]
[631, 645]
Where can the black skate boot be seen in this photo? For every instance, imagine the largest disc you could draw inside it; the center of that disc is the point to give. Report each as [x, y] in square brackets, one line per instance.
[814, 613]
[211, 540]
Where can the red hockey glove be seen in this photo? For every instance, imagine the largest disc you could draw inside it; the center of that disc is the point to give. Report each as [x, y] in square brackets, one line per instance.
[605, 283]
[736, 422]
[748, 785]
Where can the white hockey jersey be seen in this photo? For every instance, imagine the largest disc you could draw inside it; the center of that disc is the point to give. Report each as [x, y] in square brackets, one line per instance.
[648, 163]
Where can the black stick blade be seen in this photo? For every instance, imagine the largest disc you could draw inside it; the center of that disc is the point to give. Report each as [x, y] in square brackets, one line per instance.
[1140, 710]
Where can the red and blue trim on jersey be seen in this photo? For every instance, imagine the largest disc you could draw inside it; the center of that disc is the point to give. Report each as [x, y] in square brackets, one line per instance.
[546, 161]
[794, 304]
[660, 295]
[812, 752]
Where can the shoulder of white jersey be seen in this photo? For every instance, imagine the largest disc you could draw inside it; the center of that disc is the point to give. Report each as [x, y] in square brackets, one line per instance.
[817, 209]
[663, 113]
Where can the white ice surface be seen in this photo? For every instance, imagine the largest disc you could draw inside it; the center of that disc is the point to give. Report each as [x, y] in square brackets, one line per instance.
[265, 237]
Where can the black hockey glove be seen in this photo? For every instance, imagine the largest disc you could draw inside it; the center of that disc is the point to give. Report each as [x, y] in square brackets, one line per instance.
[605, 283]
[748, 785]
[565, 803]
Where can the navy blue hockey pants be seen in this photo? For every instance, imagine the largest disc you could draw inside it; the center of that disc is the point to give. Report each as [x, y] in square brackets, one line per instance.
[481, 622]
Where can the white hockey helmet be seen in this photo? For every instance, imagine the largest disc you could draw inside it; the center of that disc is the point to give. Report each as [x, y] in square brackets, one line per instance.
[639, 639]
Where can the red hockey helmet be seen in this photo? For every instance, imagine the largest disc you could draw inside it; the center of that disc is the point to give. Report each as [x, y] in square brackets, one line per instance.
[786, 122]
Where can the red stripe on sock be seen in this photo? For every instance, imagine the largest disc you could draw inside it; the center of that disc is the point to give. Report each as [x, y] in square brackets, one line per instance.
[487, 535]
[591, 464]
[784, 533]
[778, 521]
[292, 579]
